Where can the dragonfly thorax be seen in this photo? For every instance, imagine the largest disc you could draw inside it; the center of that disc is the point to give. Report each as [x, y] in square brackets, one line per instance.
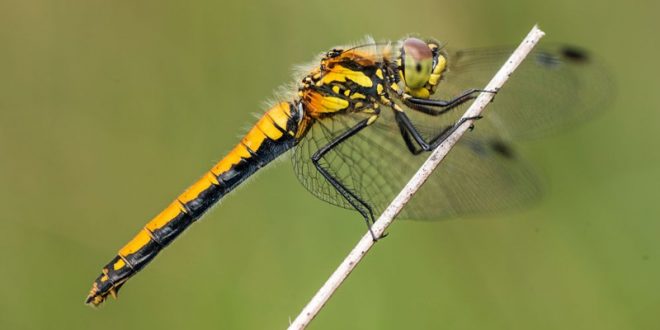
[361, 78]
[345, 80]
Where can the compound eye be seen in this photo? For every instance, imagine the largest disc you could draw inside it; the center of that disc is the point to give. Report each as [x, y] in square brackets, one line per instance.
[418, 62]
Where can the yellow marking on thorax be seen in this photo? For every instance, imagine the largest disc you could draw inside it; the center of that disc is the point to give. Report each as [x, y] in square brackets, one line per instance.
[165, 216]
[379, 73]
[325, 104]
[333, 104]
[339, 74]
[140, 240]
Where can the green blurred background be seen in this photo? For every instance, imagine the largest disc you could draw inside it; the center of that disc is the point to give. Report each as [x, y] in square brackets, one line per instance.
[108, 110]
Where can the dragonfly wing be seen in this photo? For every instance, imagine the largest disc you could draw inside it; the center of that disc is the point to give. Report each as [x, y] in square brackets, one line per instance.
[557, 86]
[481, 174]
[354, 162]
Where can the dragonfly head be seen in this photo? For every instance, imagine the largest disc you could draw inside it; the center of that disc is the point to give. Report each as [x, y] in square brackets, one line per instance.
[420, 66]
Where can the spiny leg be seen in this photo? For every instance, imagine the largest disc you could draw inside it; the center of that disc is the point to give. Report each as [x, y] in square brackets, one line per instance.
[415, 149]
[409, 131]
[360, 205]
[424, 105]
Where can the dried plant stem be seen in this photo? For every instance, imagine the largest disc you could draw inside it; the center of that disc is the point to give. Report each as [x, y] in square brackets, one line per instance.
[365, 244]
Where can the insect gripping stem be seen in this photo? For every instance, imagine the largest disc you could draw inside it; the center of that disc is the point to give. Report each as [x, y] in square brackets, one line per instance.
[379, 227]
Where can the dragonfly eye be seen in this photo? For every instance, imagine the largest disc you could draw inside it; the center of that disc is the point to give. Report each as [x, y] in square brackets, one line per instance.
[417, 64]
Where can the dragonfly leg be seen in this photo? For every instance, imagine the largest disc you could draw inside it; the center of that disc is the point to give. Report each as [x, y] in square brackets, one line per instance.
[360, 205]
[424, 105]
[410, 133]
[416, 149]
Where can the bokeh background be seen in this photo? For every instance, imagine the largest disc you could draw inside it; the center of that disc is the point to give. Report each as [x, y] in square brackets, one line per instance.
[108, 110]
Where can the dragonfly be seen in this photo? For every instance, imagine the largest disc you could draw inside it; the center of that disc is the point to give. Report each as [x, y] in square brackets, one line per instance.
[359, 120]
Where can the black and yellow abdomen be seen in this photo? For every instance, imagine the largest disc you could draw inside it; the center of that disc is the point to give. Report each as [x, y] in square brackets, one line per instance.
[276, 132]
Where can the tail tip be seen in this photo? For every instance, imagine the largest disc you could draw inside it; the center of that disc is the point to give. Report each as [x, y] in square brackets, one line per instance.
[94, 298]
[98, 295]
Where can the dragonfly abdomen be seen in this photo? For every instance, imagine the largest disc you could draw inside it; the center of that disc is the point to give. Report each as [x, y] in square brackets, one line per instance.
[275, 133]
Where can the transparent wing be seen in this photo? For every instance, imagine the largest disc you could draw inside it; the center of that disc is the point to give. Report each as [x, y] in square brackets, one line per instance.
[347, 162]
[553, 89]
[557, 86]
[482, 173]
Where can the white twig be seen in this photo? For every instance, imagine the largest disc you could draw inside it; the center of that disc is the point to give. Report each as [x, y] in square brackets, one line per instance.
[365, 244]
